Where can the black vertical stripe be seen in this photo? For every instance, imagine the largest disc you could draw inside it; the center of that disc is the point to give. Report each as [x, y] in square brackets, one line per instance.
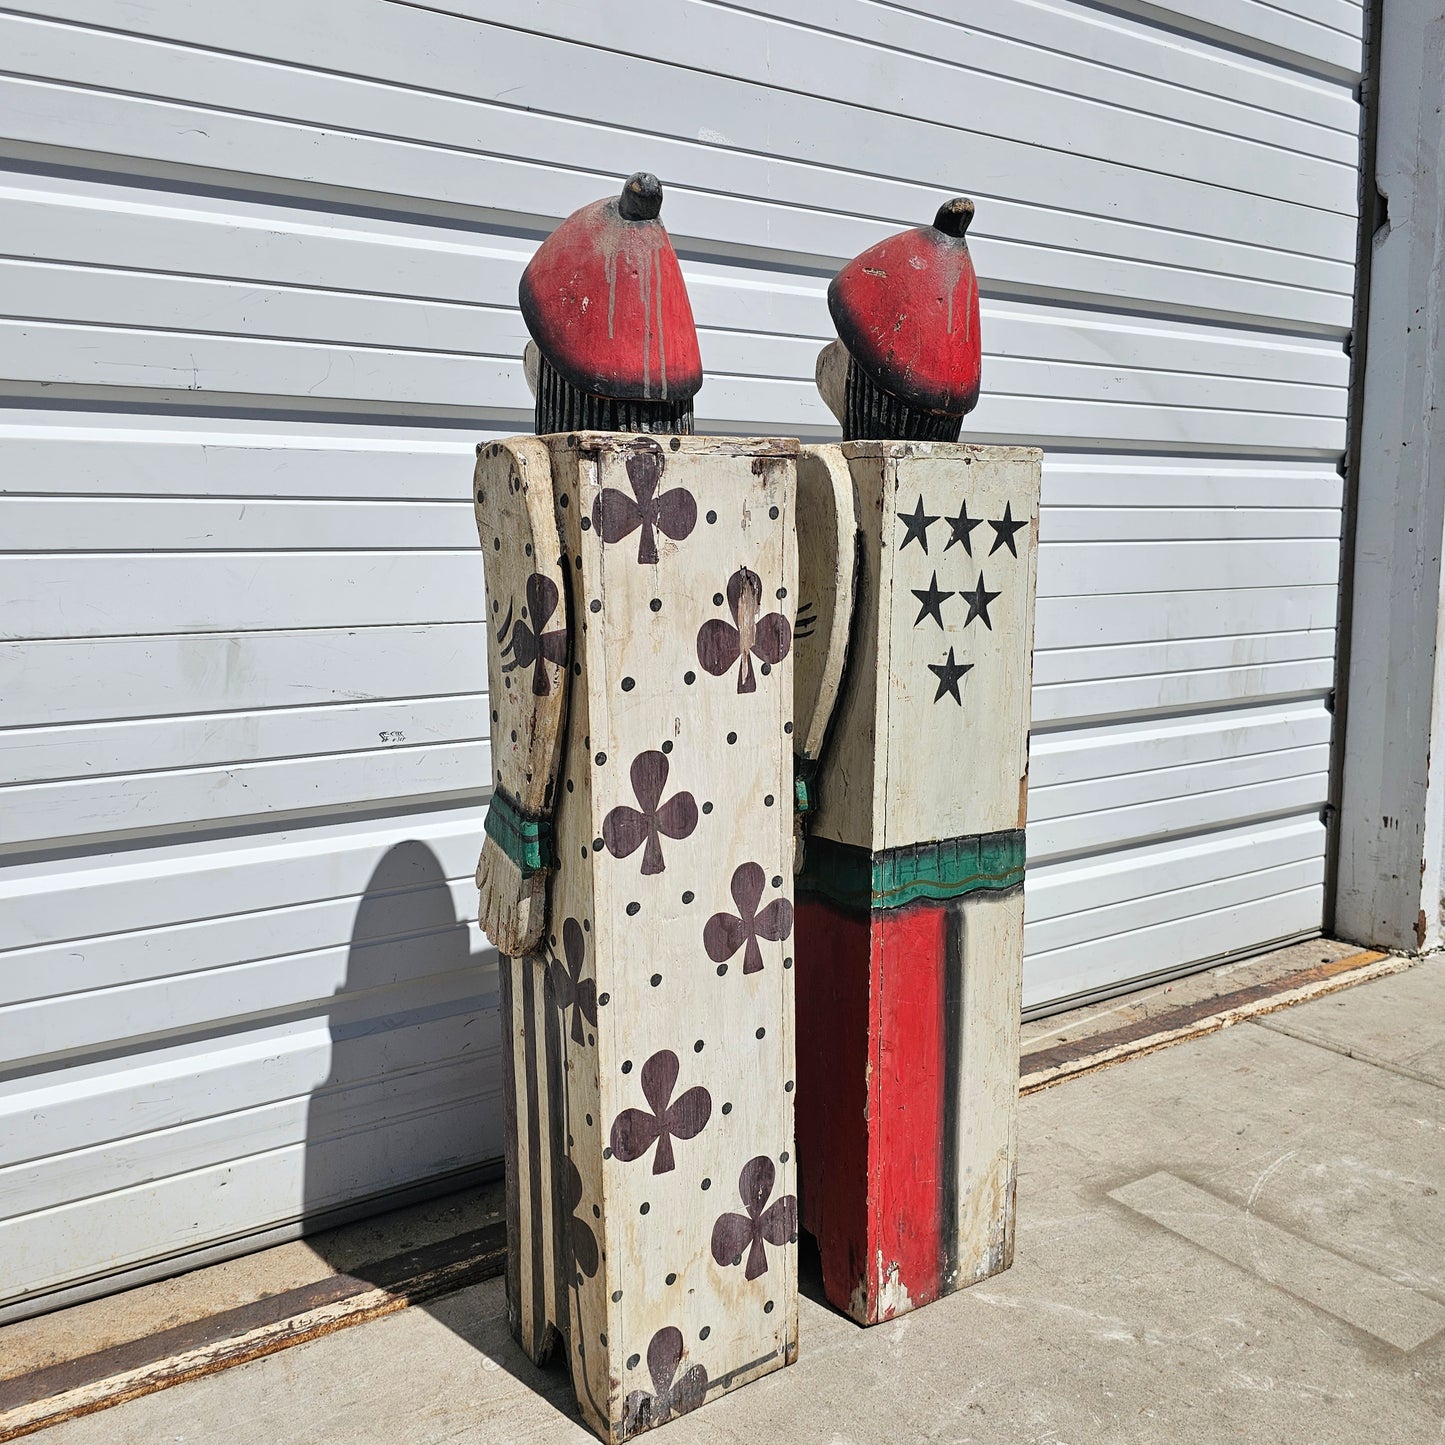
[535, 1222]
[954, 927]
[560, 1153]
[516, 1226]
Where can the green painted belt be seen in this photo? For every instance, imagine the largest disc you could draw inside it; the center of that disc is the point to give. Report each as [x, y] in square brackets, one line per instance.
[524, 837]
[860, 881]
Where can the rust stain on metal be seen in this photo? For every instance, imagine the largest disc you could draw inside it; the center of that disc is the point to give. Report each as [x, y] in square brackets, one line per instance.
[1047, 1067]
[112, 1376]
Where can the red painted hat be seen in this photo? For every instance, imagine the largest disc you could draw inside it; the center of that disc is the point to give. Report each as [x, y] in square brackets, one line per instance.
[907, 310]
[605, 301]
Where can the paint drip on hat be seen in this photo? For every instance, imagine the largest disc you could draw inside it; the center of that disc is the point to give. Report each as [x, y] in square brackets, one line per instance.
[907, 317]
[609, 315]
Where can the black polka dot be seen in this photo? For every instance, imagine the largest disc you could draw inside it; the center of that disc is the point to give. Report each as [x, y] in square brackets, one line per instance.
[586, 524]
[570, 785]
[667, 746]
[768, 1308]
[627, 1066]
[633, 909]
[596, 1212]
[671, 1279]
[777, 880]
[707, 1183]
[496, 606]
[584, 850]
[760, 1033]
[768, 800]
[717, 599]
[722, 968]
[732, 738]
[656, 604]
[604, 999]
[783, 1157]
[496, 544]
[564, 501]
[645, 1207]
[616, 1295]
[600, 759]
[781, 593]
[655, 979]
[675, 444]
[628, 684]
[787, 727]
[773, 513]
[528, 549]
[689, 678]
[589, 1119]
[606, 1153]
[704, 1332]
[727, 1108]
[514, 735]
[711, 517]
[634, 1360]
[766, 668]
[787, 963]
[707, 807]
[788, 1087]
[688, 896]
[595, 605]
[603, 1338]
[697, 1047]
[597, 846]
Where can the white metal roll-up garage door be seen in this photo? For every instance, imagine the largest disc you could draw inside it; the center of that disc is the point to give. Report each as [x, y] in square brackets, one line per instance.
[259, 275]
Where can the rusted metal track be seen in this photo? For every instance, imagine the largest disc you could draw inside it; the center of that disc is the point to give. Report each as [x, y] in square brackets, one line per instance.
[168, 1357]
[1044, 1067]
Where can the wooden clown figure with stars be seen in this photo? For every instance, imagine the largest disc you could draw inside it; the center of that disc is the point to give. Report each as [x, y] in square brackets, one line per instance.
[637, 875]
[909, 921]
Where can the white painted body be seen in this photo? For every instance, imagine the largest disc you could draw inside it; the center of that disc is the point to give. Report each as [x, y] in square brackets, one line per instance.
[261, 307]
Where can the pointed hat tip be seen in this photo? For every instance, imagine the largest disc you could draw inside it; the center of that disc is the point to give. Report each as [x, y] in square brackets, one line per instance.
[954, 216]
[641, 197]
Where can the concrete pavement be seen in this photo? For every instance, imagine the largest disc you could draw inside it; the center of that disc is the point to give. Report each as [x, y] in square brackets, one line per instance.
[1236, 1238]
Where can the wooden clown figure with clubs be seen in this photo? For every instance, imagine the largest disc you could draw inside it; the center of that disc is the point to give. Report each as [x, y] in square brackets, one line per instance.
[909, 921]
[637, 875]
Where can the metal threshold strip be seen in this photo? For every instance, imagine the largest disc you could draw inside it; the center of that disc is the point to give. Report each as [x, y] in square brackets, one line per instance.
[105, 1377]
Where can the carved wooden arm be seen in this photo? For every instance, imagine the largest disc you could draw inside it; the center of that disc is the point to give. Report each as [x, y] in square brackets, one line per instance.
[827, 576]
[528, 649]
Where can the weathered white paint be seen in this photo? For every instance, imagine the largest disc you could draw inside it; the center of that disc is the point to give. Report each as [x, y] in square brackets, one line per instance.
[259, 292]
[1392, 823]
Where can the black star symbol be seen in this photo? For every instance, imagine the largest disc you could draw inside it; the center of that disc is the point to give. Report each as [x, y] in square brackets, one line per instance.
[918, 523]
[978, 601]
[948, 674]
[1004, 531]
[932, 600]
[962, 526]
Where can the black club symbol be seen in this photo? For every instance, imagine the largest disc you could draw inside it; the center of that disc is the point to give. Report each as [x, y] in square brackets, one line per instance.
[616, 515]
[584, 1242]
[673, 1394]
[725, 933]
[776, 1224]
[535, 649]
[626, 829]
[635, 1131]
[570, 989]
[767, 638]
